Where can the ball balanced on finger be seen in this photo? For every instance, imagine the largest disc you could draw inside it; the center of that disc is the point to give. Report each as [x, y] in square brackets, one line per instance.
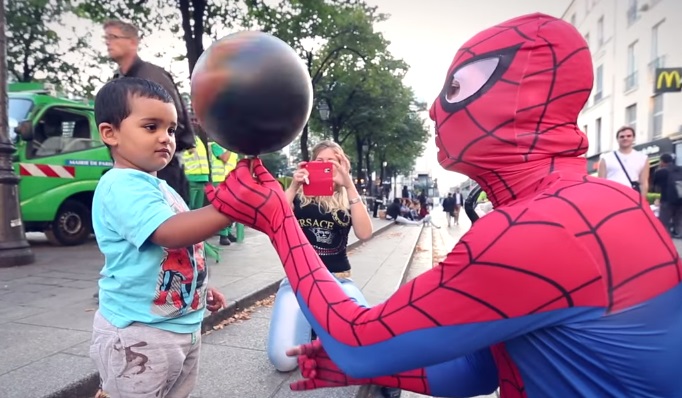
[251, 93]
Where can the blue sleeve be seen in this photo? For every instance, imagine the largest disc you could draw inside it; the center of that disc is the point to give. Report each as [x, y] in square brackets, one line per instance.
[135, 207]
[468, 376]
[435, 345]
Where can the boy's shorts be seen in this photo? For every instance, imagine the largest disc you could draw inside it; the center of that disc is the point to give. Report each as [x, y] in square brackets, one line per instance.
[140, 361]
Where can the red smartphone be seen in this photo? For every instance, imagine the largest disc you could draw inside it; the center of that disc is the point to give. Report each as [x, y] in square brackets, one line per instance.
[320, 179]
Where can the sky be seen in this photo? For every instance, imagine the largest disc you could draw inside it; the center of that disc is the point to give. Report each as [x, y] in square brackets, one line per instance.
[427, 33]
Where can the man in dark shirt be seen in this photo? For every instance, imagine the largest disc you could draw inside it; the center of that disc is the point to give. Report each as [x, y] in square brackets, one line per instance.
[122, 40]
[449, 208]
[670, 213]
[393, 210]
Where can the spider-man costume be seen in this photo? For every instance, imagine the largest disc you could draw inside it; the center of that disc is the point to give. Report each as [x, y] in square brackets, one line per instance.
[570, 288]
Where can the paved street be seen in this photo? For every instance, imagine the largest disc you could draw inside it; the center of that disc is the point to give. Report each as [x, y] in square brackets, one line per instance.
[46, 310]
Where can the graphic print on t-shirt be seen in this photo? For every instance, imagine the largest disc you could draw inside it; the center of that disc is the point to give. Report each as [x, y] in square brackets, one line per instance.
[326, 232]
[182, 278]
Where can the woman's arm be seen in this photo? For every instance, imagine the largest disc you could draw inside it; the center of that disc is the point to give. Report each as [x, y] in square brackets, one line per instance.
[362, 224]
[298, 178]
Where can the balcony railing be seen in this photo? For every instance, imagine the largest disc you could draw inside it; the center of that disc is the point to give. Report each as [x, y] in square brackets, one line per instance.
[631, 81]
[658, 62]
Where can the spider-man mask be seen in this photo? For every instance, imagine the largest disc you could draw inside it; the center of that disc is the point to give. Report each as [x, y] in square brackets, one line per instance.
[507, 113]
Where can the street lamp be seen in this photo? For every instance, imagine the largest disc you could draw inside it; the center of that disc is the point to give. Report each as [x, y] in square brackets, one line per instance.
[14, 248]
[323, 107]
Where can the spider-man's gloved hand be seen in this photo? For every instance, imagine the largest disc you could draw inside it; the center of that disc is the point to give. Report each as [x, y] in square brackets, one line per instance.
[318, 369]
[253, 199]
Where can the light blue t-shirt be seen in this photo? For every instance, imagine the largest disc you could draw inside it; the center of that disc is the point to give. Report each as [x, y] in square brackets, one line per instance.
[141, 281]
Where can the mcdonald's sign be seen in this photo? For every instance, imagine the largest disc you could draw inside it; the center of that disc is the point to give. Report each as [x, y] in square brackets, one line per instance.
[668, 80]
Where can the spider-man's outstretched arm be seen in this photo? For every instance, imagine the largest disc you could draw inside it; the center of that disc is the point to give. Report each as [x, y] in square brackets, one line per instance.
[472, 375]
[493, 287]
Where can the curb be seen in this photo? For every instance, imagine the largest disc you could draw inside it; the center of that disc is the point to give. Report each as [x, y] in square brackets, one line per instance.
[87, 386]
[371, 390]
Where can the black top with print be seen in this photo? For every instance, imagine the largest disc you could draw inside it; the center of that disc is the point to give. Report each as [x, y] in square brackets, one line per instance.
[326, 232]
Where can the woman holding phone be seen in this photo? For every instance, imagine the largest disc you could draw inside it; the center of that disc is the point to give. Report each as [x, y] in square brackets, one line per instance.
[326, 221]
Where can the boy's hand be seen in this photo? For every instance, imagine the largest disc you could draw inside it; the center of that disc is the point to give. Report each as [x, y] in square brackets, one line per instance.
[215, 300]
[258, 202]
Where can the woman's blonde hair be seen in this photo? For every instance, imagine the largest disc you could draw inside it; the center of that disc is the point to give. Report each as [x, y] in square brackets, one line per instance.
[329, 204]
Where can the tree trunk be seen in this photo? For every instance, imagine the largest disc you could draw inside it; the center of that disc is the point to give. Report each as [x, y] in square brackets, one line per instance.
[305, 156]
[358, 151]
[369, 182]
[381, 174]
[193, 29]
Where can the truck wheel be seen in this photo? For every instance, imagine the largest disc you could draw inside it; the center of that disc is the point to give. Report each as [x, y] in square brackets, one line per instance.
[71, 225]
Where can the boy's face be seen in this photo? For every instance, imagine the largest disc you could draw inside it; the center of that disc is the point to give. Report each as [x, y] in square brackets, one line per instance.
[145, 140]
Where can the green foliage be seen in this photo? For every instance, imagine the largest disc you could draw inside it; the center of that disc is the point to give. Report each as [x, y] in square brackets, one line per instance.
[326, 34]
[349, 63]
[276, 163]
[35, 50]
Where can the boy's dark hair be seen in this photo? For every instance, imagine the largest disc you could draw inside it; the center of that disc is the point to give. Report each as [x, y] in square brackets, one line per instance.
[112, 103]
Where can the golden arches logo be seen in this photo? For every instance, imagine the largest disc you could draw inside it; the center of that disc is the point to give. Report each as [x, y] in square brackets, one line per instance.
[668, 80]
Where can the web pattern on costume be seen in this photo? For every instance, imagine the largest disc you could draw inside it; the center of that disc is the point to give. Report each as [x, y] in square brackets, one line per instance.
[497, 249]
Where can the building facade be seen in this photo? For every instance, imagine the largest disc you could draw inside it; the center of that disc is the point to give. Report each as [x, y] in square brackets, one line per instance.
[629, 40]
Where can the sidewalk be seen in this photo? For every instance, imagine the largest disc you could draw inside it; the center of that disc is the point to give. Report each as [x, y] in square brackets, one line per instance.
[46, 310]
[234, 363]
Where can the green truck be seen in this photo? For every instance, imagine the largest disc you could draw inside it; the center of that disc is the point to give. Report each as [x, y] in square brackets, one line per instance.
[59, 159]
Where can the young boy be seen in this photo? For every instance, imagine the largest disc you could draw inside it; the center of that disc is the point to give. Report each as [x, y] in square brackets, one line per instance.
[153, 287]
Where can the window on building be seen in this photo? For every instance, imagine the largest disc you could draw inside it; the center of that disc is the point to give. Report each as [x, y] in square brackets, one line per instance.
[573, 19]
[600, 32]
[631, 116]
[598, 83]
[631, 12]
[631, 74]
[657, 60]
[657, 116]
[597, 135]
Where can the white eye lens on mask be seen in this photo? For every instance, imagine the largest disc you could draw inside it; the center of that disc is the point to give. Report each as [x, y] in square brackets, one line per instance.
[470, 78]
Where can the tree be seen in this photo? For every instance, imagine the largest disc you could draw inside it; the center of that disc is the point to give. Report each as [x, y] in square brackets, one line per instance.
[384, 119]
[35, 50]
[323, 33]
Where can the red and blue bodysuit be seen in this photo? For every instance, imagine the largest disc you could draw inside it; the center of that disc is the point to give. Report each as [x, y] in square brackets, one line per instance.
[569, 288]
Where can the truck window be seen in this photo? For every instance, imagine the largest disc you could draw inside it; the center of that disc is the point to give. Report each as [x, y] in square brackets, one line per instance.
[17, 111]
[61, 131]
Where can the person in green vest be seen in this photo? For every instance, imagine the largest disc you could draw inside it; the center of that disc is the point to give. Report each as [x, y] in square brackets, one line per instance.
[222, 163]
[198, 173]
